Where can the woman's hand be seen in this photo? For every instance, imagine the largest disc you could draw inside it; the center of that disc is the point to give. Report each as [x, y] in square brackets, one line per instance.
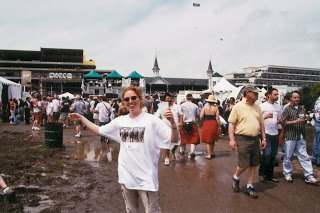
[168, 115]
[74, 116]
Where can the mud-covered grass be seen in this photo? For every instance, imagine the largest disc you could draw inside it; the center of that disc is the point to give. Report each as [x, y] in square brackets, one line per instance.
[52, 176]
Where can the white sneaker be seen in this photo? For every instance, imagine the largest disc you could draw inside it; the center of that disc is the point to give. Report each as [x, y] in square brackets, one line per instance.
[36, 128]
[7, 190]
[64, 125]
[167, 161]
[32, 128]
[78, 135]
[311, 180]
[288, 178]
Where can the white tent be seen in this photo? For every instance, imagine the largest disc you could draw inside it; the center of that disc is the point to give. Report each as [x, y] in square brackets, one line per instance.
[223, 89]
[67, 94]
[236, 93]
[14, 89]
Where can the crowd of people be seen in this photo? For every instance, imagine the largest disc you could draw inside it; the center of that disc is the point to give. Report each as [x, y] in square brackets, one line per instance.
[151, 123]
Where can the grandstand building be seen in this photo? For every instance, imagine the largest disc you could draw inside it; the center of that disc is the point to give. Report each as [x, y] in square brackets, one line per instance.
[47, 70]
[276, 75]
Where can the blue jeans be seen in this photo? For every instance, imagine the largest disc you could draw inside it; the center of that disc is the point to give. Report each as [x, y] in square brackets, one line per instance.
[316, 144]
[268, 157]
[299, 148]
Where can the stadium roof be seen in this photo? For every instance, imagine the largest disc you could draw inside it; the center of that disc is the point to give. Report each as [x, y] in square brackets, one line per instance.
[135, 75]
[92, 75]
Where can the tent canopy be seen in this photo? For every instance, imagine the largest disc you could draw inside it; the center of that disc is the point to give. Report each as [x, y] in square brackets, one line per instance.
[114, 74]
[236, 93]
[67, 94]
[8, 82]
[12, 89]
[135, 75]
[93, 75]
[223, 86]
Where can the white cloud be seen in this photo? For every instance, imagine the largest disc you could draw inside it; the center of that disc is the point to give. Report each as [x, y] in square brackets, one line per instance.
[125, 35]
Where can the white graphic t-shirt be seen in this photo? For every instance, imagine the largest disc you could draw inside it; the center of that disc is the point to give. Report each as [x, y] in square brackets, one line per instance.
[141, 140]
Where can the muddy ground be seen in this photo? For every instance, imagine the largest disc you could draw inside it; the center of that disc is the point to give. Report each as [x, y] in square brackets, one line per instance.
[82, 177]
[58, 180]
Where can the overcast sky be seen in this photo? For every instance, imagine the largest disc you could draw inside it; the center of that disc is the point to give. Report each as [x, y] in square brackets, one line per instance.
[125, 35]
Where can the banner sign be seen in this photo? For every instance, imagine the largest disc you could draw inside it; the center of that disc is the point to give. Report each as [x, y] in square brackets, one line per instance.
[60, 75]
[25, 77]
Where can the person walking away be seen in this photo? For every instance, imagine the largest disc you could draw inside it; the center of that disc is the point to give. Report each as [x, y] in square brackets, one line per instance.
[245, 124]
[65, 109]
[155, 102]
[211, 124]
[93, 105]
[138, 159]
[103, 109]
[87, 112]
[78, 107]
[49, 109]
[21, 111]
[177, 115]
[189, 132]
[294, 120]
[56, 108]
[271, 112]
[27, 112]
[15, 112]
[44, 104]
[230, 103]
[36, 112]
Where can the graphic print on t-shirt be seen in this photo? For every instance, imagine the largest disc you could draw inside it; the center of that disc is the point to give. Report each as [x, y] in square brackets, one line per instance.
[132, 134]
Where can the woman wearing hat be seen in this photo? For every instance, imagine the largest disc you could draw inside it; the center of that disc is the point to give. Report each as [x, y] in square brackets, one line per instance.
[211, 124]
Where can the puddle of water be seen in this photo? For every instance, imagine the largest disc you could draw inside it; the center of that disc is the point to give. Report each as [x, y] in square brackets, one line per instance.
[94, 152]
[44, 204]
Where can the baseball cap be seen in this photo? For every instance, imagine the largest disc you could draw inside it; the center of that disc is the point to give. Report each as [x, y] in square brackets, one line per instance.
[250, 88]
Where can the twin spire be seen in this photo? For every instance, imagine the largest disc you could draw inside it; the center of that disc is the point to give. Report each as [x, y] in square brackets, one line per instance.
[156, 68]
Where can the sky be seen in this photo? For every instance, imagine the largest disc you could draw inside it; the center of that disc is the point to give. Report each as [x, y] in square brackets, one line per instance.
[126, 35]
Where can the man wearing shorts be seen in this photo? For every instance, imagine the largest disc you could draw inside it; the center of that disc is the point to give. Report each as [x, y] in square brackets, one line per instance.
[245, 124]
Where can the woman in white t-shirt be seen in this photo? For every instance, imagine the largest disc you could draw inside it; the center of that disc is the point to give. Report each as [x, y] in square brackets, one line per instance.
[139, 151]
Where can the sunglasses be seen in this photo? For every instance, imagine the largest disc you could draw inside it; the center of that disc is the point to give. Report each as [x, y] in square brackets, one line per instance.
[127, 99]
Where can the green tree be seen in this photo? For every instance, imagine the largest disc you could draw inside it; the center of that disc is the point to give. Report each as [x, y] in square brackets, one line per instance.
[309, 94]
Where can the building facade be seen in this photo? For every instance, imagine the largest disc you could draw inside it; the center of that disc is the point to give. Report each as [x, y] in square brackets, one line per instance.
[49, 70]
[276, 75]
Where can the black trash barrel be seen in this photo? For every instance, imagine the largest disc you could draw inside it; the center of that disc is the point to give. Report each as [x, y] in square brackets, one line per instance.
[53, 135]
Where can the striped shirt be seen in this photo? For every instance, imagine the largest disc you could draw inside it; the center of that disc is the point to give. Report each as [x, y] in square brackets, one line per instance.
[293, 131]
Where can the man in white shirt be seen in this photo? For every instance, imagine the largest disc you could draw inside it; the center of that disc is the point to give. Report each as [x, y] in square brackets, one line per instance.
[103, 109]
[177, 115]
[271, 112]
[56, 108]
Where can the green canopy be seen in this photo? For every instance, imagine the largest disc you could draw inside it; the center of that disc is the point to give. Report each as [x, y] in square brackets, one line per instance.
[93, 75]
[114, 74]
[135, 74]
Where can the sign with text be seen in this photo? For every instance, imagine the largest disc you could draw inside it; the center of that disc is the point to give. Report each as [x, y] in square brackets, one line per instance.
[25, 77]
[60, 75]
